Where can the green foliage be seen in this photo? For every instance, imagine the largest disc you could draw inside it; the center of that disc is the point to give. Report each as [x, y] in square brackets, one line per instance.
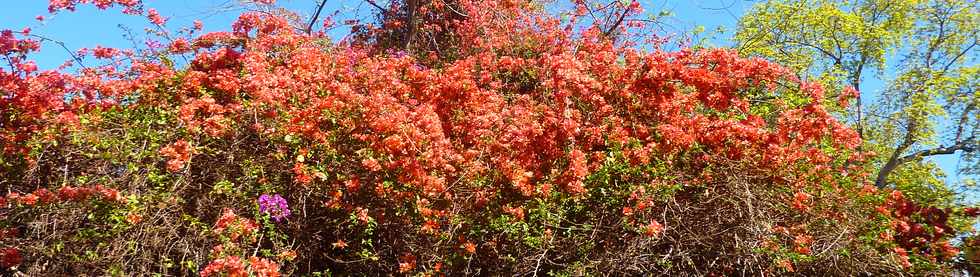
[925, 51]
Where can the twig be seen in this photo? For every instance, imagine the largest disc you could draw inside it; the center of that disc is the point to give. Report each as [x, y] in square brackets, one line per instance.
[309, 28]
[59, 43]
[376, 5]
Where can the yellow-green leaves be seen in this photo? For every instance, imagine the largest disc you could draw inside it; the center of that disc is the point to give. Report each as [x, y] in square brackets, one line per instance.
[924, 50]
[831, 40]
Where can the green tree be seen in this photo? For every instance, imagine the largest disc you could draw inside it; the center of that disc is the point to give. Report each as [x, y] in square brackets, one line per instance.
[927, 49]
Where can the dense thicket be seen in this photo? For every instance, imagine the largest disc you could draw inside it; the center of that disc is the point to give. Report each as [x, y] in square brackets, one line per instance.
[491, 138]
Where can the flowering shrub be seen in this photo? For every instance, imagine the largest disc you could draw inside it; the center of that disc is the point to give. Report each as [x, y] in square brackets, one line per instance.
[530, 144]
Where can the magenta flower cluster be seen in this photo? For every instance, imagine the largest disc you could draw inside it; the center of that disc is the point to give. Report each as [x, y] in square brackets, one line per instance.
[274, 205]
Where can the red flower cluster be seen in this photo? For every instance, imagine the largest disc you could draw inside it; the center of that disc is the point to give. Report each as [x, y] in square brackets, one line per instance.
[406, 263]
[43, 196]
[263, 267]
[920, 230]
[903, 257]
[801, 201]
[10, 257]
[155, 17]
[653, 229]
[129, 6]
[179, 153]
[235, 227]
[233, 266]
[802, 244]
[522, 111]
[9, 233]
[471, 117]
[28, 98]
[227, 256]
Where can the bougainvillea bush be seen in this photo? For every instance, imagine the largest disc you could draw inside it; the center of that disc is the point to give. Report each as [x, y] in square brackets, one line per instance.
[480, 138]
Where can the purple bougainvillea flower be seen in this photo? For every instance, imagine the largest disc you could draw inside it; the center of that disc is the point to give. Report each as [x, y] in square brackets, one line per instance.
[274, 205]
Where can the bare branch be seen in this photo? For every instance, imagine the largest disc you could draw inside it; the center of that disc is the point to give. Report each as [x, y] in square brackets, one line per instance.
[59, 43]
[619, 21]
[376, 5]
[895, 160]
[967, 145]
[959, 55]
[316, 15]
[450, 7]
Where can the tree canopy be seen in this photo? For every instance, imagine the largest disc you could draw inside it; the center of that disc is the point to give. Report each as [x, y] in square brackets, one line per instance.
[929, 48]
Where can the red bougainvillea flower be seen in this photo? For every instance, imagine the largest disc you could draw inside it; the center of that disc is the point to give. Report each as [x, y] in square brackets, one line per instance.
[786, 265]
[801, 201]
[232, 266]
[134, 218]
[524, 109]
[43, 196]
[340, 244]
[155, 17]
[129, 6]
[469, 247]
[10, 257]
[972, 211]
[288, 255]
[903, 257]
[263, 268]
[233, 226]
[406, 263]
[802, 244]
[179, 153]
[653, 229]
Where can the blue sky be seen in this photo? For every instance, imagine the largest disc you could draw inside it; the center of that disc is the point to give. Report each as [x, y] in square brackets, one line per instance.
[89, 27]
